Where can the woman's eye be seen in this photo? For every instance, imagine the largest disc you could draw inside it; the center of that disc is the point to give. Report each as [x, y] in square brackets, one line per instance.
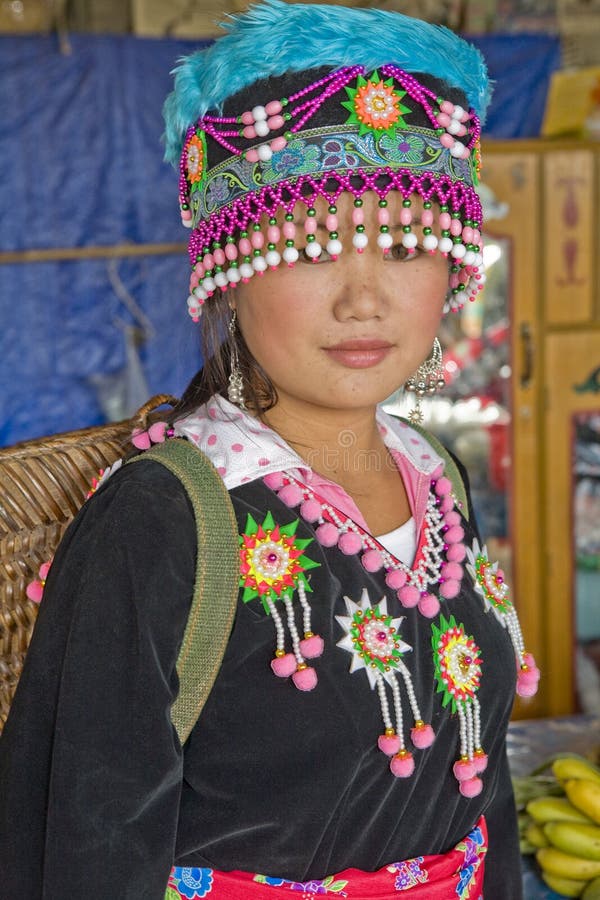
[323, 257]
[401, 253]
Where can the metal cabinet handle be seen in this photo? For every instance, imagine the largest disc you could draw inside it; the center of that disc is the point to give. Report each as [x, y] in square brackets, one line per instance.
[527, 355]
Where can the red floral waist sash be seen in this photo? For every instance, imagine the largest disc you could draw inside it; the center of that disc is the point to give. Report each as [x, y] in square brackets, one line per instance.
[455, 875]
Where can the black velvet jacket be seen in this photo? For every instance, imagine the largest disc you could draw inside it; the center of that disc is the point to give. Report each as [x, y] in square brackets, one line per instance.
[97, 798]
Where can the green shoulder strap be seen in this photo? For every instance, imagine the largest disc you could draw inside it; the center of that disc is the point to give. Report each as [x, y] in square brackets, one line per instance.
[451, 470]
[217, 578]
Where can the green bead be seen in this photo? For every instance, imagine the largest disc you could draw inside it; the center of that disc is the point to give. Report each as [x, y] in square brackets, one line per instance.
[427, 230]
[271, 247]
[360, 229]
[333, 235]
[406, 229]
[333, 210]
[256, 226]
[289, 217]
[289, 243]
[272, 221]
[311, 212]
[427, 204]
[384, 229]
[358, 202]
[310, 238]
[383, 203]
[406, 203]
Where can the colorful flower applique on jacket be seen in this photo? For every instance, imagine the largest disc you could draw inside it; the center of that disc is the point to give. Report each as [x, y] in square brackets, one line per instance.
[373, 639]
[474, 850]
[273, 568]
[488, 580]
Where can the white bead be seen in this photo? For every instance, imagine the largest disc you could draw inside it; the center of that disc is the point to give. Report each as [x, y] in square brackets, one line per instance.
[191, 301]
[409, 240]
[290, 255]
[458, 251]
[187, 223]
[193, 310]
[261, 128]
[456, 150]
[458, 112]
[478, 260]
[469, 258]
[221, 279]
[313, 250]
[273, 258]
[259, 264]
[233, 275]
[482, 278]
[430, 242]
[384, 240]
[445, 245]
[200, 293]
[264, 152]
[209, 285]
[360, 240]
[246, 270]
[334, 247]
[453, 127]
[258, 113]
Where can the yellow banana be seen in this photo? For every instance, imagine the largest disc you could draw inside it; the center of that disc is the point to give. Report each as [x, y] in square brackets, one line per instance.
[534, 833]
[554, 809]
[585, 796]
[592, 890]
[567, 887]
[574, 838]
[564, 865]
[568, 767]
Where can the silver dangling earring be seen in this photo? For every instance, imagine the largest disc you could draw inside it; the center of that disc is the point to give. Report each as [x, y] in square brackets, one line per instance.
[428, 379]
[235, 388]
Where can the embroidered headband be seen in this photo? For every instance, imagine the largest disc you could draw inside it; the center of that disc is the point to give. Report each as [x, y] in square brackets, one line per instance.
[289, 106]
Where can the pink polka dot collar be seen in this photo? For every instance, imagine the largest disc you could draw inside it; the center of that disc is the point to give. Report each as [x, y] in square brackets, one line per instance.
[242, 448]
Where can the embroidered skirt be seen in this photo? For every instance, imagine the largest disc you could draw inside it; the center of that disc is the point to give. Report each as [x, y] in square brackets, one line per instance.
[456, 875]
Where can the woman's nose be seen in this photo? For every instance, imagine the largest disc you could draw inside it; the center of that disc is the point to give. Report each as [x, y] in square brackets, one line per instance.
[361, 289]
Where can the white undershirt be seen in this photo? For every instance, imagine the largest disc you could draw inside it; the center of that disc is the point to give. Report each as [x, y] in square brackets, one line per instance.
[402, 541]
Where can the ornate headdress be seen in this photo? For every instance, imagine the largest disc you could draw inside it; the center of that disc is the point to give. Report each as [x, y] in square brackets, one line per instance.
[298, 102]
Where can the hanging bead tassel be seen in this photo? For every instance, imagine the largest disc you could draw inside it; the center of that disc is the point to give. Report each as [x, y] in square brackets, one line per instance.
[272, 568]
[372, 637]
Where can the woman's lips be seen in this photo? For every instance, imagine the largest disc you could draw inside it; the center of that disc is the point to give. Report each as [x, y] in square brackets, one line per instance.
[359, 354]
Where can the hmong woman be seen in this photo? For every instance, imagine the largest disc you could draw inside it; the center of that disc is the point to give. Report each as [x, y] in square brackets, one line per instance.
[353, 742]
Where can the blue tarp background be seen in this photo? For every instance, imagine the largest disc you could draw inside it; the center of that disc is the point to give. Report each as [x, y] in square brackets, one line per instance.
[81, 167]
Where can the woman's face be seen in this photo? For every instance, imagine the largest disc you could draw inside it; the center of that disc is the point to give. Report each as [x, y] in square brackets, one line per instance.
[345, 334]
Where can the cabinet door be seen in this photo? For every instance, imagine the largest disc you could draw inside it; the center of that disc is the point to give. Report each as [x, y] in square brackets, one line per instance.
[572, 523]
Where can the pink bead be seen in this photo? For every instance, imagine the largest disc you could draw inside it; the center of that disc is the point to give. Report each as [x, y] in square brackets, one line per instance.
[405, 216]
[44, 569]
[456, 553]
[454, 535]
[453, 281]
[274, 480]
[219, 257]
[480, 762]
[422, 736]
[310, 225]
[452, 570]
[257, 240]
[194, 279]
[372, 560]
[305, 679]
[388, 744]
[327, 534]
[350, 543]
[446, 140]
[208, 262]
[443, 119]
[463, 769]
[402, 766]
[252, 155]
[247, 118]
[443, 486]
[312, 647]
[447, 107]
[278, 144]
[467, 234]
[445, 220]
[450, 589]
[284, 666]
[245, 247]
[358, 216]
[476, 236]
[186, 215]
[409, 596]
[455, 227]
[273, 107]
[383, 216]
[275, 122]
[429, 606]
[273, 234]
[395, 579]
[310, 510]
[289, 230]
[427, 218]
[331, 222]
[231, 251]
[291, 495]
[249, 132]
[471, 787]
[35, 591]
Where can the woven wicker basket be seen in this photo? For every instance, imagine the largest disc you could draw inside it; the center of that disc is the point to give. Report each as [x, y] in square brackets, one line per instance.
[43, 483]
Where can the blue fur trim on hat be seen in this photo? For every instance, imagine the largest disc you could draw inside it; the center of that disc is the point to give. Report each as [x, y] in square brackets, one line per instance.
[275, 37]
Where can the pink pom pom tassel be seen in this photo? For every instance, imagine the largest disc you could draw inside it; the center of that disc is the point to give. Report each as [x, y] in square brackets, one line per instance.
[312, 647]
[284, 666]
[35, 591]
[402, 765]
[429, 606]
[305, 679]
[409, 595]
[422, 736]
[471, 787]
[463, 769]
[350, 543]
[388, 744]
